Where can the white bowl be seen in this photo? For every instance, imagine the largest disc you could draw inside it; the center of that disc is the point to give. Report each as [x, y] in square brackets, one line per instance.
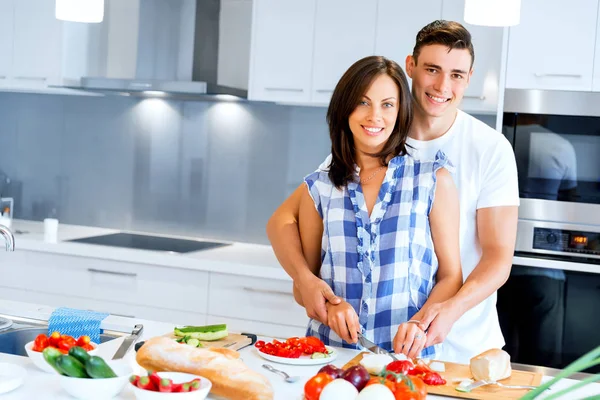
[98, 389]
[11, 377]
[176, 377]
[38, 358]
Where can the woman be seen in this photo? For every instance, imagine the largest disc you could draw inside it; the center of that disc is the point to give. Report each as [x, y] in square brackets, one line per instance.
[370, 222]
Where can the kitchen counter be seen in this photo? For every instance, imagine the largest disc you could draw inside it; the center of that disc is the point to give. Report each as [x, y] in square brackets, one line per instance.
[238, 258]
[41, 385]
[245, 259]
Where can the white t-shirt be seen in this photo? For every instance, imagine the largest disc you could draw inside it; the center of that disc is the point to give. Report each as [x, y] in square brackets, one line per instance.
[485, 176]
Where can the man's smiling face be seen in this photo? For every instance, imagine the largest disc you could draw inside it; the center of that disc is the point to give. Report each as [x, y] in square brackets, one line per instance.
[439, 78]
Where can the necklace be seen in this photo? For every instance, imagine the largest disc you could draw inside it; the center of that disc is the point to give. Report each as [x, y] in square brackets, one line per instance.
[372, 175]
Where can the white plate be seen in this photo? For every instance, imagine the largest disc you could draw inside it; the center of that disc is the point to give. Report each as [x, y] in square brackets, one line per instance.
[11, 377]
[303, 360]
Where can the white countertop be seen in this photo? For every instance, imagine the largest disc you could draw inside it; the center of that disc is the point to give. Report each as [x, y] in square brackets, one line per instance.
[238, 258]
[247, 259]
[40, 385]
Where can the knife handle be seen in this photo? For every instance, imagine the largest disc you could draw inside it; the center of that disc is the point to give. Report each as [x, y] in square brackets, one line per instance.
[138, 345]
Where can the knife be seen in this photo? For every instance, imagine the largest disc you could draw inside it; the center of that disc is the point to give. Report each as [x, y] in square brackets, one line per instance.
[129, 340]
[364, 342]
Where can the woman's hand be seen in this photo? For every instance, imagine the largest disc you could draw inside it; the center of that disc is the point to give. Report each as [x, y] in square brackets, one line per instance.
[409, 340]
[342, 318]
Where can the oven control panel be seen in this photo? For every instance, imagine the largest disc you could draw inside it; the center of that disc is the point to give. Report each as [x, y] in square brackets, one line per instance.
[567, 241]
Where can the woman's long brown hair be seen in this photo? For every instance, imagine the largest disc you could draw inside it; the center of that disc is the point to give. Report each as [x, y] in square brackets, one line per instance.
[347, 95]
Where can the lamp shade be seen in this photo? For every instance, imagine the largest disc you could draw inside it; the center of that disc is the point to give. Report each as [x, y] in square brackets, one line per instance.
[493, 12]
[80, 10]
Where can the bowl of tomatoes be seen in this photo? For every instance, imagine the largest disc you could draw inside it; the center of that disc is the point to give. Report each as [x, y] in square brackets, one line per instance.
[61, 342]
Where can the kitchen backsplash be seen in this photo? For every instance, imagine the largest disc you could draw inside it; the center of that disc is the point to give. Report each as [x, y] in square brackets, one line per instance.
[205, 169]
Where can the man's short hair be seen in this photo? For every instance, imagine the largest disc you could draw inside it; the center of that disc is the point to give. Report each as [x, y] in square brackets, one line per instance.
[447, 33]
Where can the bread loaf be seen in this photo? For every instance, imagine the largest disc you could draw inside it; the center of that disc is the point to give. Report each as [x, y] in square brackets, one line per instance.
[230, 377]
[491, 365]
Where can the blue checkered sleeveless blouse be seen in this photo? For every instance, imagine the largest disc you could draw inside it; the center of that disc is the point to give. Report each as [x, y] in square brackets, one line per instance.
[383, 265]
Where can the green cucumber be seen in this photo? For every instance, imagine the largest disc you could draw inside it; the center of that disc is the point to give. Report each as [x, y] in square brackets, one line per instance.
[319, 355]
[71, 366]
[208, 336]
[97, 368]
[79, 353]
[51, 354]
[193, 342]
[207, 328]
[205, 333]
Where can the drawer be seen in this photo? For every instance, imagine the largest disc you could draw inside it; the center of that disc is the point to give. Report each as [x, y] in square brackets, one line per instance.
[106, 280]
[258, 328]
[254, 299]
[118, 309]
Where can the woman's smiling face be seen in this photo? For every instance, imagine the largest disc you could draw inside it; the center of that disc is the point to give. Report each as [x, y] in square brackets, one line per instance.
[374, 118]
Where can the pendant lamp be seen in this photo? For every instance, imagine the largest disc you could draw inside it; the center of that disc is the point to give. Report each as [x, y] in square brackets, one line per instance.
[80, 10]
[493, 12]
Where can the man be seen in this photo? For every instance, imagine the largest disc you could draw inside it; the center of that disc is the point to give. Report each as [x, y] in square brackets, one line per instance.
[441, 67]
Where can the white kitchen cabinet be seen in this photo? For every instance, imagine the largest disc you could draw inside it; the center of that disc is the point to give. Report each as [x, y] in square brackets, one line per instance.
[254, 299]
[37, 43]
[344, 33]
[596, 78]
[482, 93]
[397, 26]
[127, 284]
[553, 49]
[7, 11]
[282, 50]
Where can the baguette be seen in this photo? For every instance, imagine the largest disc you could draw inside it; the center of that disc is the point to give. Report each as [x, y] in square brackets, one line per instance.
[230, 377]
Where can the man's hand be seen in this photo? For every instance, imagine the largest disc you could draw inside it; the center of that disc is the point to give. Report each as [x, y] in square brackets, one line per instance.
[437, 320]
[342, 318]
[314, 293]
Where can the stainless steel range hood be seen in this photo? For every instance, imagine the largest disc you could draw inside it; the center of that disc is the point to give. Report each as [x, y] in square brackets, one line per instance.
[180, 90]
[203, 55]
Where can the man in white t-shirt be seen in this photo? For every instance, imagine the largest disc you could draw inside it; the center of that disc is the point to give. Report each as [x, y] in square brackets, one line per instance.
[486, 178]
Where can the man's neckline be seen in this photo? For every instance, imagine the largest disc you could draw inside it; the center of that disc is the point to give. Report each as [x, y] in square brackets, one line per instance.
[445, 136]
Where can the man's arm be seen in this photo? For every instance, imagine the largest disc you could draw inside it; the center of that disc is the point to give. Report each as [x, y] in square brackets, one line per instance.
[283, 233]
[497, 229]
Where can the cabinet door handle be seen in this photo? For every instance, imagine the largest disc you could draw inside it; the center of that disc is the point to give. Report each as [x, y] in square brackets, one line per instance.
[283, 89]
[541, 75]
[267, 291]
[101, 271]
[474, 97]
[324, 90]
[140, 85]
[31, 78]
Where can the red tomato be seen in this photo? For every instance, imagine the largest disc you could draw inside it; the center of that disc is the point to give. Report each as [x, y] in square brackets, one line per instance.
[66, 343]
[40, 342]
[400, 367]
[54, 339]
[314, 386]
[83, 340]
[433, 378]
[404, 391]
[88, 347]
[260, 344]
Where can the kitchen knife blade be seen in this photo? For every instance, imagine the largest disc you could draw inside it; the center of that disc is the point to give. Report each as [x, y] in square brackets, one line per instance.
[373, 347]
[129, 340]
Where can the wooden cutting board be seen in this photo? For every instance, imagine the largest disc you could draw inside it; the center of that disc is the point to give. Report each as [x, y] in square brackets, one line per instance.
[233, 341]
[489, 392]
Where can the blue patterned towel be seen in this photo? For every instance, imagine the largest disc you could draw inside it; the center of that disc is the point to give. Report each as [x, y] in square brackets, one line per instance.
[76, 323]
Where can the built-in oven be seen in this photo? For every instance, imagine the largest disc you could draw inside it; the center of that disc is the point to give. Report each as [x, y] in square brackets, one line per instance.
[549, 308]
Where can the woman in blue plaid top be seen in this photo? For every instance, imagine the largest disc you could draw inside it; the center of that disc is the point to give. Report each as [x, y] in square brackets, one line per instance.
[380, 227]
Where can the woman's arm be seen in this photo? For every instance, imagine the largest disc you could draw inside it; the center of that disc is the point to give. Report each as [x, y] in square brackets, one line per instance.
[444, 222]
